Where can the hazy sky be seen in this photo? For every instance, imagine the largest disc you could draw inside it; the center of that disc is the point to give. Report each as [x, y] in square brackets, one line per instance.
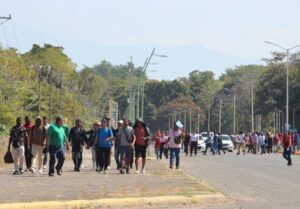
[195, 34]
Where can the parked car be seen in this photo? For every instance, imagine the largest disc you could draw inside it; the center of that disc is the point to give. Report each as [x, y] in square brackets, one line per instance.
[227, 143]
[205, 135]
[201, 144]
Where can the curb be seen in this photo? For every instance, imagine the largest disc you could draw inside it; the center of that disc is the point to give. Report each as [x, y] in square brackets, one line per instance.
[111, 202]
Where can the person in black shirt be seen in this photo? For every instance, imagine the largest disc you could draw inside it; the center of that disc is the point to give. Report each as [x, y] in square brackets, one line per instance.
[186, 143]
[77, 138]
[17, 137]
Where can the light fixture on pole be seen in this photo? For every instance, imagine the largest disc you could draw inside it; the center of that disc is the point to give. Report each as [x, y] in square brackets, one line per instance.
[287, 50]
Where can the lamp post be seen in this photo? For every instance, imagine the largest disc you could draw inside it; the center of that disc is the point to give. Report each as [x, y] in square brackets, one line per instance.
[147, 62]
[287, 50]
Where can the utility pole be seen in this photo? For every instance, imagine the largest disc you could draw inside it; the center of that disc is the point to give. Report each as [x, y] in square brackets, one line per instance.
[138, 101]
[5, 19]
[198, 118]
[234, 102]
[220, 115]
[39, 91]
[184, 118]
[208, 119]
[50, 98]
[60, 95]
[252, 109]
[294, 112]
[190, 120]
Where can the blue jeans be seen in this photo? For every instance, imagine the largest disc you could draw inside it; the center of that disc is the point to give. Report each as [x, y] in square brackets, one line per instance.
[117, 156]
[287, 155]
[174, 152]
[59, 153]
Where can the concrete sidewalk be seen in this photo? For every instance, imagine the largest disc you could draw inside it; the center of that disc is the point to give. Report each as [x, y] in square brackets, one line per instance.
[159, 181]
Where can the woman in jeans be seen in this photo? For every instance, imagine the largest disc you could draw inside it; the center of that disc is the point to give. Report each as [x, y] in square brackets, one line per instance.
[174, 144]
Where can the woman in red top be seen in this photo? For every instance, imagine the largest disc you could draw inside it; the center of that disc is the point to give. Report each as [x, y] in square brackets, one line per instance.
[156, 139]
[142, 134]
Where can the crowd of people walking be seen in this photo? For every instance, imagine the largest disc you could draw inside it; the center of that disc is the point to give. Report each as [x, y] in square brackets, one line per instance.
[33, 143]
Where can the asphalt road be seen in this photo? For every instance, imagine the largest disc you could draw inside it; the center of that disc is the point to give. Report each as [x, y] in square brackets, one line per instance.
[249, 181]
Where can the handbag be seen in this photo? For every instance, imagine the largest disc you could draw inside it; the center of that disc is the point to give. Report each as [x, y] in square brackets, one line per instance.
[177, 139]
[128, 139]
[8, 159]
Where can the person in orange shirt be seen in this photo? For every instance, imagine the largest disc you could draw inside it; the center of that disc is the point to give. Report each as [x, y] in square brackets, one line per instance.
[142, 134]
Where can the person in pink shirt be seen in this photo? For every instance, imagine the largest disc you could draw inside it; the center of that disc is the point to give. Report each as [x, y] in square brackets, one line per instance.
[174, 144]
[156, 139]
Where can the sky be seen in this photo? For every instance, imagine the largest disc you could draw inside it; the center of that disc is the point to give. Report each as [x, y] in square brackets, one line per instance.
[194, 34]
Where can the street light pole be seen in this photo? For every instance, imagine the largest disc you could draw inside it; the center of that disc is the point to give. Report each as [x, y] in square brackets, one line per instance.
[287, 50]
[220, 115]
[252, 110]
[234, 101]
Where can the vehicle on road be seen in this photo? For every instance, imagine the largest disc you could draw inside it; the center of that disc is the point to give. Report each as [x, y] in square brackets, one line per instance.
[227, 143]
[201, 144]
[204, 135]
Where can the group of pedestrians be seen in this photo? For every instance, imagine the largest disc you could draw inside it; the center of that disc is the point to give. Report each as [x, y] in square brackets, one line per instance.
[33, 142]
[260, 143]
[215, 143]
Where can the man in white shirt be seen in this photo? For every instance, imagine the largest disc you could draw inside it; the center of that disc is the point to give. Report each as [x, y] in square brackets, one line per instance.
[194, 143]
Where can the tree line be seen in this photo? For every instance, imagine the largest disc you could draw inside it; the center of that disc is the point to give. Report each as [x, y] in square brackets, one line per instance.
[196, 99]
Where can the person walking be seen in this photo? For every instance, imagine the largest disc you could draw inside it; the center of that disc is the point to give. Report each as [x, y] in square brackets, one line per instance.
[295, 142]
[208, 143]
[91, 141]
[127, 141]
[156, 140]
[287, 148]
[187, 143]
[249, 143]
[46, 125]
[77, 138]
[103, 144]
[261, 142]
[269, 143]
[255, 142]
[117, 141]
[241, 143]
[37, 141]
[163, 148]
[220, 144]
[16, 145]
[56, 141]
[174, 143]
[143, 136]
[194, 143]
[276, 142]
[28, 155]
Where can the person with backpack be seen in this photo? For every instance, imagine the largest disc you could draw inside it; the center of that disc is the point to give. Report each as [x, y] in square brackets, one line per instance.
[142, 133]
[77, 138]
[37, 141]
[103, 144]
[174, 144]
[127, 141]
[16, 145]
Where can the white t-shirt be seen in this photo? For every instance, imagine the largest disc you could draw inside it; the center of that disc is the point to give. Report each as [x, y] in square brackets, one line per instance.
[195, 137]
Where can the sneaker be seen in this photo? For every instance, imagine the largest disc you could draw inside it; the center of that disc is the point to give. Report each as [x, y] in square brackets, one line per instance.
[137, 172]
[32, 170]
[108, 168]
[51, 174]
[127, 171]
[40, 171]
[143, 171]
[44, 167]
[16, 173]
[171, 166]
[26, 170]
[59, 172]
[104, 172]
[21, 171]
[101, 171]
